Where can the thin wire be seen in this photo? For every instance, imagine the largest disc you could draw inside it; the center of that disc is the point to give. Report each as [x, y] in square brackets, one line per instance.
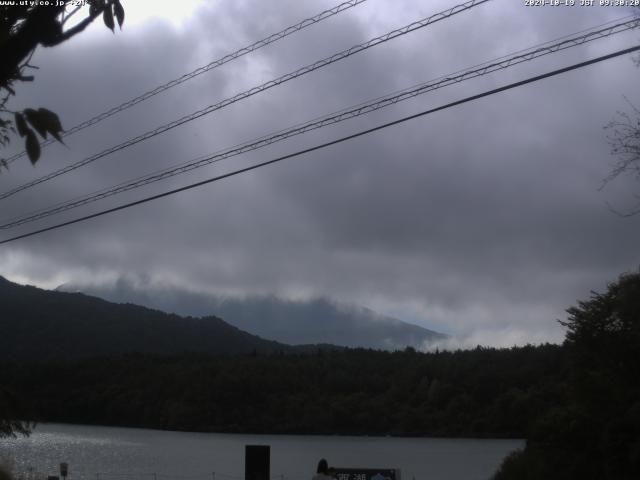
[265, 86]
[327, 144]
[207, 475]
[198, 71]
[321, 122]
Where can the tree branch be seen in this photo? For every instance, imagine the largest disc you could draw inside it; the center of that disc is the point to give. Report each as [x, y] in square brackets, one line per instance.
[70, 14]
[78, 28]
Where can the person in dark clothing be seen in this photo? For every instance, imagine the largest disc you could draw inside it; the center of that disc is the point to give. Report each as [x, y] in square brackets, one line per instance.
[322, 472]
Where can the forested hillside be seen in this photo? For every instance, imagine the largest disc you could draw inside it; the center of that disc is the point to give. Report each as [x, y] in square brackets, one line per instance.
[38, 324]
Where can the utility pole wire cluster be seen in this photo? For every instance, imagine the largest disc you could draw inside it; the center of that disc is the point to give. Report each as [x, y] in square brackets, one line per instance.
[361, 109]
[198, 71]
[327, 144]
[253, 91]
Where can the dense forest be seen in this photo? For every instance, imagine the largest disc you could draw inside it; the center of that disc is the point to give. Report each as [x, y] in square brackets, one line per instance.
[484, 392]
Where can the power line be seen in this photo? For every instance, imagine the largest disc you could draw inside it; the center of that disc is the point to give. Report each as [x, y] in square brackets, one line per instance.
[198, 71]
[327, 144]
[334, 118]
[247, 93]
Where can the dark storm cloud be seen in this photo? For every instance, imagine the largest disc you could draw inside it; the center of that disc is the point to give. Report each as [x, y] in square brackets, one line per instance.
[483, 220]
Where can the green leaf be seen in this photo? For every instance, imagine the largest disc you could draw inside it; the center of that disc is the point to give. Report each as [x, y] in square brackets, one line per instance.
[21, 124]
[44, 121]
[51, 122]
[36, 121]
[107, 16]
[118, 11]
[33, 147]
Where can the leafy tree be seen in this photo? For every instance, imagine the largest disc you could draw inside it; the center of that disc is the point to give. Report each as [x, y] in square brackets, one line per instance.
[595, 432]
[24, 27]
[604, 331]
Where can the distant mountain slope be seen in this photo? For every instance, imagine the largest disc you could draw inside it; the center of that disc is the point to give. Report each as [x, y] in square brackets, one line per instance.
[292, 322]
[38, 324]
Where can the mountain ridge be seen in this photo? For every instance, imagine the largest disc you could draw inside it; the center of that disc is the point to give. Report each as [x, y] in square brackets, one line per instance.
[294, 322]
[38, 324]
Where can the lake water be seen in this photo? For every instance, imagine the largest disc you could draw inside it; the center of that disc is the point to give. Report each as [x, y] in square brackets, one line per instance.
[105, 453]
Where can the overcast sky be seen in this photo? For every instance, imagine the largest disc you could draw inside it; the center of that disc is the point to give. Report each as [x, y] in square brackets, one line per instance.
[484, 221]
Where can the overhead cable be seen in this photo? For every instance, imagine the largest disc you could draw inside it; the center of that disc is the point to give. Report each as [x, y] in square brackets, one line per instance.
[327, 144]
[352, 112]
[248, 93]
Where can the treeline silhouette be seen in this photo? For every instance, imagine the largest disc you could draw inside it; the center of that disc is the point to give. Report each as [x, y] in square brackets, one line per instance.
[484, 392]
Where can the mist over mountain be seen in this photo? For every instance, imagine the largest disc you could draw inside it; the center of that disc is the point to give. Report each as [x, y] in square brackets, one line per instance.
[295, 322]
[37, 325]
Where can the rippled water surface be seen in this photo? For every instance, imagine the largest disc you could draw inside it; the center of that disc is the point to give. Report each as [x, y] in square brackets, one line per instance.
[105, 453]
